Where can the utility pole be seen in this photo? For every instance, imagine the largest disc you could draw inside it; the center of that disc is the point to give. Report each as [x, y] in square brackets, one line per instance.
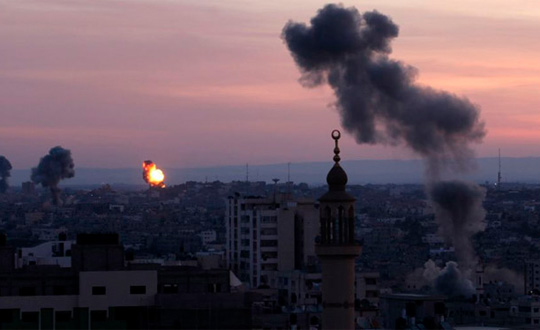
[499, 177]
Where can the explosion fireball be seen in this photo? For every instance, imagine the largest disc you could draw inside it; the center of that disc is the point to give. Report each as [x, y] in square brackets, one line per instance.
[153, 175]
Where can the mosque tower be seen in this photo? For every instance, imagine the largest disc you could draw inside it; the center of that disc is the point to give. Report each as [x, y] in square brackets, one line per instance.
[337, 249]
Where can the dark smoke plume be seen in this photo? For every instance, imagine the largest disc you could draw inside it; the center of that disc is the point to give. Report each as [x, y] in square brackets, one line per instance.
[452, 282]
[52, 168]
[147, 167]
[459, 214]
[377, 97]
[5, 168]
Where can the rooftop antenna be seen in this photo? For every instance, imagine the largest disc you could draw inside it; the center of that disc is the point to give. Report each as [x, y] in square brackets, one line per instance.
[276, 180]
[289, 183]
[247, 179]
[289, 172]
[499, 177]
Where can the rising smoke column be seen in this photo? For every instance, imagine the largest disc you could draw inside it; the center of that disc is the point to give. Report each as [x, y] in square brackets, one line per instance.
[5, 168]
[377, 97]
[452, 281]
[379, 102]
[459, 214]
[52, 168]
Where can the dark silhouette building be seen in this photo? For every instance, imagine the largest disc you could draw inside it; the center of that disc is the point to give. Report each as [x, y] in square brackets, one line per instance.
[102, 290]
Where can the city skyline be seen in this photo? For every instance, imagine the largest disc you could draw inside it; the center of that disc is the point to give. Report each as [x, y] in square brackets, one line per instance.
[187, 164]
[195, 84]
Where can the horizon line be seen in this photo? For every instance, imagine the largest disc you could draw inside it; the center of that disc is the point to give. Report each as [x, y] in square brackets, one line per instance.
[279, 163]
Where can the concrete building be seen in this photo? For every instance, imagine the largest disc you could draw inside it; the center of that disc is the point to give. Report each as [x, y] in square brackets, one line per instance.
[337, 249]
[97, 252]
[297, 288]
[265, 235]
[526, 310]
[407, 311]
[532, 276]
[57, 252]
[367, 287]
[104, 291]
[208, 236]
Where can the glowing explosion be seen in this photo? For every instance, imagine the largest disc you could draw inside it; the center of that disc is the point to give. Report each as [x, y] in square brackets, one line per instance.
[152, 175]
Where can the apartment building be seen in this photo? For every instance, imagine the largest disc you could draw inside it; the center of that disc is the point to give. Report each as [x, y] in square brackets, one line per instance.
[101, 290]
[532, 276]
[265, 235]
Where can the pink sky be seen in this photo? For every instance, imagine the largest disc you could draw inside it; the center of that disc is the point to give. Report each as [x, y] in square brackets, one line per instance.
[204, 83]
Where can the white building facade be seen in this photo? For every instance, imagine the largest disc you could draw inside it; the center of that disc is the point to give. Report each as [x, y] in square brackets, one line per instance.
[265, 235]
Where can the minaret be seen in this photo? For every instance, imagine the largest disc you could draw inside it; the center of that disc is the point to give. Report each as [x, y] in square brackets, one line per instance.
[337, 248]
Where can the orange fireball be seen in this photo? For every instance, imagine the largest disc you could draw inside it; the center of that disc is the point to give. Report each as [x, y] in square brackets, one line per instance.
[153, 175]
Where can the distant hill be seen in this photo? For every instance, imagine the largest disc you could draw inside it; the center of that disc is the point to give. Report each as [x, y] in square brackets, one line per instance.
[525, 170]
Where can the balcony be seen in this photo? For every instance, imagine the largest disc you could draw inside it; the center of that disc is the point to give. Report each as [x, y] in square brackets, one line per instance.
[269, 261]
[269, 237]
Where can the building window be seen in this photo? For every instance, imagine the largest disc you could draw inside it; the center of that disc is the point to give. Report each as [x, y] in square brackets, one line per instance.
[268, 243]
[99, 290]
[62, 316]
[372, 294]
[524, 309]
[371, 281]
[6, 315]
[27, 291]
[269, 231]
[170, 288]
[59, 290]
[214, 287]
[30, 317]
[137, 289]
[99, 316]
[268, 219]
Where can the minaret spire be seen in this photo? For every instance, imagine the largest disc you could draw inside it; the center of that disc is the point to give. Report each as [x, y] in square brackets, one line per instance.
[336, 135]
[337, 248]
